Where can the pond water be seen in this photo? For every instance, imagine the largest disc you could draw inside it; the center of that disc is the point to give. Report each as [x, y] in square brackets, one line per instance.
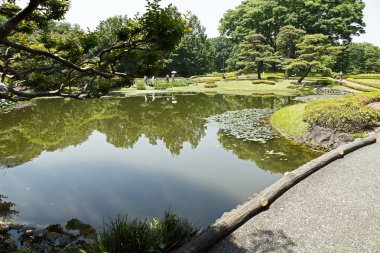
[95, 159]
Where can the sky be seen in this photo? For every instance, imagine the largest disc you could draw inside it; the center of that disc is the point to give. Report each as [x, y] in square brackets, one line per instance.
[88, 13]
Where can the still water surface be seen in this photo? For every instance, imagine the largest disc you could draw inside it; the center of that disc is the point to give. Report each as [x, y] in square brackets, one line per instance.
[95, 159]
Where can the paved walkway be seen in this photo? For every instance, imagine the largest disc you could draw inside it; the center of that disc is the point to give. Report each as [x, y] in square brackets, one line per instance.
[337, 209]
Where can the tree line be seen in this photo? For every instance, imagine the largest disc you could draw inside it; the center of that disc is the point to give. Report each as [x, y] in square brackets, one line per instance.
[40, 55]
[281, 35]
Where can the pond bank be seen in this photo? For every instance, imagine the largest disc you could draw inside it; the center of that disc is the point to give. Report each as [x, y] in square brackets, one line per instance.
[327, 124]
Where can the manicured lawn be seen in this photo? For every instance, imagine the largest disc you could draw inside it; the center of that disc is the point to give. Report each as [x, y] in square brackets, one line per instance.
[369, 82]
[282, 87]
[237, 86]
[288, 121]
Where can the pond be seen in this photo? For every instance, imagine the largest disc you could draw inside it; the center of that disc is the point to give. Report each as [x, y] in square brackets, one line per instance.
[95, 159]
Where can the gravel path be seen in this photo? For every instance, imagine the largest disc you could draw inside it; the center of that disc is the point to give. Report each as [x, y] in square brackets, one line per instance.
[337, 209]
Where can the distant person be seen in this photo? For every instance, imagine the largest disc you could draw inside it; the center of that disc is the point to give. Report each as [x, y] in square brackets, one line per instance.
[145, 80]
[153, 79]
[173, 77]
[341, 76]
[167, 78]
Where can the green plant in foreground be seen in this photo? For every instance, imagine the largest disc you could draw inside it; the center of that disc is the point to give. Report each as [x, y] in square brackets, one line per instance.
[157, 235]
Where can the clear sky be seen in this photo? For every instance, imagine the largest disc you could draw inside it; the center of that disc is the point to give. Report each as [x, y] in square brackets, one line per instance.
[88, 13]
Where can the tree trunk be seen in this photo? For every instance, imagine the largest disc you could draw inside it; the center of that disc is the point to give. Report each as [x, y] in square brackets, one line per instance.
[304, 74]
[274, 67]
[259, 67]
[287, 74]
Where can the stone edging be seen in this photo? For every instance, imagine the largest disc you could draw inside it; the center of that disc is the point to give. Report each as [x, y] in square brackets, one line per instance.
[232, 220]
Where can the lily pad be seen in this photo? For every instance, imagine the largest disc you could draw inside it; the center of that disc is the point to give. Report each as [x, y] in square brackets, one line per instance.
[247, 125]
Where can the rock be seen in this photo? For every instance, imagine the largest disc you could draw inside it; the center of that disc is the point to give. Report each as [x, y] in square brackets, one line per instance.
[341, 139]
[375, 105]
[3, 88]
[325, 138]
[40, 233]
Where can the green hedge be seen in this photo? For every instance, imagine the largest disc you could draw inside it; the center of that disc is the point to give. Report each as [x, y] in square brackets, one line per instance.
[325, 82]
[347, 114]
[211, 85]
[264, 82]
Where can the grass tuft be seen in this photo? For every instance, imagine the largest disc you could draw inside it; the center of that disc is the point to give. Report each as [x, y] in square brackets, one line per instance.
[157, 235]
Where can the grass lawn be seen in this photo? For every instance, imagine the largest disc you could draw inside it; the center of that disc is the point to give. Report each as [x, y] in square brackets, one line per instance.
[369, 82]
[282, 87]
[236, 85]
[288, 121]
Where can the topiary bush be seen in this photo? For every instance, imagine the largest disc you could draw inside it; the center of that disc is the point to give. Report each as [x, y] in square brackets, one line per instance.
[324, 82]
[348, 114]
[211, 85]
[269, 82]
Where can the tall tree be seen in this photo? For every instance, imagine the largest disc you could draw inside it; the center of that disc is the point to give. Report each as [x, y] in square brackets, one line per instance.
[254, 52]
[314, 52]
[35, 49]
[339, 20]
[287, 41]
[223, 47]
[195, 53]
[363, 58]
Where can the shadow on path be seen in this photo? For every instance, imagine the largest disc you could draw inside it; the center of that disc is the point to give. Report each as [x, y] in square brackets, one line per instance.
[261, 241]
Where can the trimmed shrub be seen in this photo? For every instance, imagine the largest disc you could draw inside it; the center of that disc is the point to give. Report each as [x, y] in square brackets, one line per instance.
[348, 114]
[163, 84]
[325, 82]
[269, 82]
[211, 85]
[274, 78]
[140, 86]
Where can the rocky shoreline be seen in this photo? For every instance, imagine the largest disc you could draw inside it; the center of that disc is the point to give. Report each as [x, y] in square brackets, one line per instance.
[74, 237]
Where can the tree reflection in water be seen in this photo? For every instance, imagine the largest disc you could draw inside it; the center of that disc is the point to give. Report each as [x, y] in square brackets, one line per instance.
[55, 124]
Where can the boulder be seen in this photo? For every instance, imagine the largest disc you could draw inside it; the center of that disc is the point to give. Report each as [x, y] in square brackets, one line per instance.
[3, 88]
[325, 138]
